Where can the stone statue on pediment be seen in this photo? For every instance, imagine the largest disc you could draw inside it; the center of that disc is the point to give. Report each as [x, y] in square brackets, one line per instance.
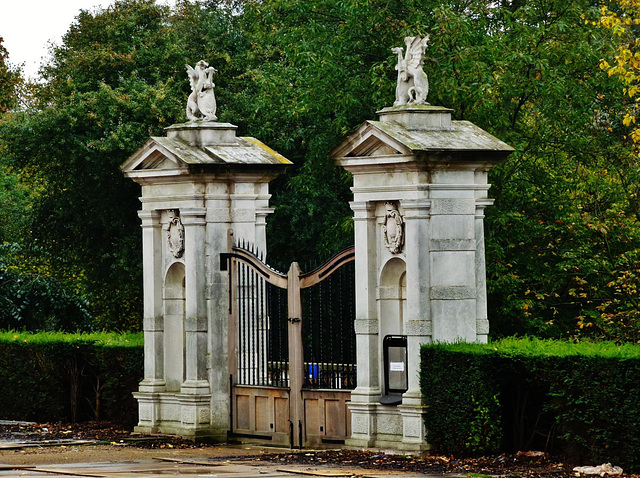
[201, 105]
[413, 84]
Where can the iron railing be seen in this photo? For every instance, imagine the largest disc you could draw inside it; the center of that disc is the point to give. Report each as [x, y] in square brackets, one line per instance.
[260, 300]
[328, 335]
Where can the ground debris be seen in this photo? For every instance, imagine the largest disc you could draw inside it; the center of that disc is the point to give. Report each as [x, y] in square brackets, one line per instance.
[602, 470]
[94, 432]
[525, 465]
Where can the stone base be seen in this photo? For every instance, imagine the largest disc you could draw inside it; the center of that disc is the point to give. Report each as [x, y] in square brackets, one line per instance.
[184, 415]
[398, 428]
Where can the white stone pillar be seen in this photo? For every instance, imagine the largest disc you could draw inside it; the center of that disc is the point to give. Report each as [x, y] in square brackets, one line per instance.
[218, 229]
[365, 397]
[153, 325]
[436, 168]
[196, 349]
[482, 320]
[418, 323]
[229, 182]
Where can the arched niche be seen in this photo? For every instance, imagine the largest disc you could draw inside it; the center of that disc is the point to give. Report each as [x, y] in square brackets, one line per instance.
[392, 297]
[173, 299]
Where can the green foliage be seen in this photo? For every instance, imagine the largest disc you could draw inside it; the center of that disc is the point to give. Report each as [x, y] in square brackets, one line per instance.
[462, 415]
[313, 73]
[69, 377]
[10, 80]
[562, 240]
[14, 203]
[485, 428]
[577, 399]
[110, 85]
[31, 299]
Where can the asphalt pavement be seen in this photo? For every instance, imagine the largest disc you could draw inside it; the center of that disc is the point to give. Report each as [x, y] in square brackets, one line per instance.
[159, 466]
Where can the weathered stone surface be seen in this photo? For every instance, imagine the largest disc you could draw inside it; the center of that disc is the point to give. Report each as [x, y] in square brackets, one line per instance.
[433, 288]
[198, 183]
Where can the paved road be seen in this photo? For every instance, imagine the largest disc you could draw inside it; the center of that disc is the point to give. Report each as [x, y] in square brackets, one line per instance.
[193, 468]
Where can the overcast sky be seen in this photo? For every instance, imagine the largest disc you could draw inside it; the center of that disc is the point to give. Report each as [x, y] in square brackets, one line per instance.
[28, 25]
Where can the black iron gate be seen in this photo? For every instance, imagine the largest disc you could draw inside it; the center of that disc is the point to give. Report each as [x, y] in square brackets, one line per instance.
[291, 349]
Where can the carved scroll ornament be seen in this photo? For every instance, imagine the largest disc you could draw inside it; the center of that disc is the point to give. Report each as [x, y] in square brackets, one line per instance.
[413, 84]
[175, 234]
[201, 105]
[393, 229]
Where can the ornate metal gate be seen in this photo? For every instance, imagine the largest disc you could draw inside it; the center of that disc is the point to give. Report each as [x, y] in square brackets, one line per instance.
[291, 349]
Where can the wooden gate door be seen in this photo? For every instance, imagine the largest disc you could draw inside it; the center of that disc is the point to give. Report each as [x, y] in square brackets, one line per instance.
[275, 394]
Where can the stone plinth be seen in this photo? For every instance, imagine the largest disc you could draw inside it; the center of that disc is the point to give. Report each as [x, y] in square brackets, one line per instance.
[198, 182]
[420, 189]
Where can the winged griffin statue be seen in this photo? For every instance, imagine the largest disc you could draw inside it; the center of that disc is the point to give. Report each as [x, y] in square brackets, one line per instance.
[413, 84]
[201, 105]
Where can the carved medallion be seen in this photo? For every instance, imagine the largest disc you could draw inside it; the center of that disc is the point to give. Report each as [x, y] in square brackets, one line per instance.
[393, 229]
[175, 234]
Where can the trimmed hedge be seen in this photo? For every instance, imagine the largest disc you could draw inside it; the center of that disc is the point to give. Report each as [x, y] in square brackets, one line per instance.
[579, 400]
[50, 377]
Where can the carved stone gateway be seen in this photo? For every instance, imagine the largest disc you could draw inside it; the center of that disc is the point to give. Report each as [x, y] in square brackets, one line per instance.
[419, 194]
[420, 189]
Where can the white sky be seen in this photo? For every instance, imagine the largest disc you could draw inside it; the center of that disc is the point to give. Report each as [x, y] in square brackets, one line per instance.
[28, 25]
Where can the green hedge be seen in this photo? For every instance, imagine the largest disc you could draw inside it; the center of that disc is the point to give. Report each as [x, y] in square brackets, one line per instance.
[70, 377]
[579, 400]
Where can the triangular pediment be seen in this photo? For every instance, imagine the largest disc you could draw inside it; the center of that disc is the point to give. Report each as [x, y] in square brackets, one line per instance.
[373, 146]
[369, 141]
[157, 160]
[153, 156]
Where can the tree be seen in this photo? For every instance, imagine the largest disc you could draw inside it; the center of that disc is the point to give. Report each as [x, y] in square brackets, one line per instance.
[623, 19]
[562, 238]
[109, 86]
[10, 79]
[564, 225]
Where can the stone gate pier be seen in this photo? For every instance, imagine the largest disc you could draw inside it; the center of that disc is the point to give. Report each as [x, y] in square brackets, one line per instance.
[419, 195]
[198, 182]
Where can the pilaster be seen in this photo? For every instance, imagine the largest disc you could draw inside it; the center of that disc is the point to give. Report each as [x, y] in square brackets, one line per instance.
[418, 325]
[153, 322]
[482, 320]
[366, 324]
[365, 397]
[195, 322]
[453, 262]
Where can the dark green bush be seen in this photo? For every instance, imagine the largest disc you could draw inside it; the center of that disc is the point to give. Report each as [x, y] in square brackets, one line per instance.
[32, 299]
[579, 400]
[463, 413]
[70, 377]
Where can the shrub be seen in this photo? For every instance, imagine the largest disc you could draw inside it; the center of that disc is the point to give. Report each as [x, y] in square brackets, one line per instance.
[576, 399]
[70, 377]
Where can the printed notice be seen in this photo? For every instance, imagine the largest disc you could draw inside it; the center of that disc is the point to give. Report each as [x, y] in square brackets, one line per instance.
[396, 366]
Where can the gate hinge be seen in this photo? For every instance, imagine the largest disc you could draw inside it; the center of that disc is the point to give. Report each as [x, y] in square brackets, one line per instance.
[294, 319]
